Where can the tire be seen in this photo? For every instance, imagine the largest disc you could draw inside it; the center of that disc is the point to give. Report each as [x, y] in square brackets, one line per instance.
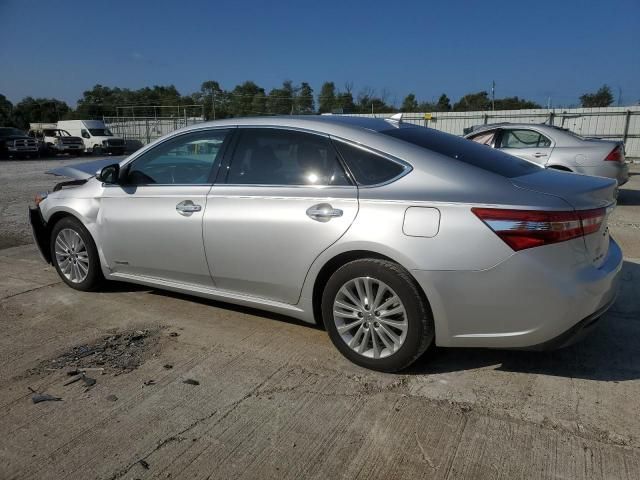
[416, 318]
[97, 150]
[74, 276]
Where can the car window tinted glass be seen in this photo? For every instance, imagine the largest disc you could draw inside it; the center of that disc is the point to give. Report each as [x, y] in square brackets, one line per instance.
[484, 138]
[183, 160]
[265, 156]
[523, 139]
[368, 168]
[464, 151]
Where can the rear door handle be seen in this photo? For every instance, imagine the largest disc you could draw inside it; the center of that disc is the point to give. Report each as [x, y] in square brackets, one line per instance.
[187, 208]
[323, 212]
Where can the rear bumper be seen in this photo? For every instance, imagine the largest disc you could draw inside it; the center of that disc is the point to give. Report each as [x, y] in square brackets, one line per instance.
[616, 170]
[530, 299]
[575, 333]
[40, 233]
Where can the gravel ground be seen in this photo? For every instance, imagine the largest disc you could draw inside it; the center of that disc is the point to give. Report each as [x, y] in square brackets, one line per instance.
[219, 391]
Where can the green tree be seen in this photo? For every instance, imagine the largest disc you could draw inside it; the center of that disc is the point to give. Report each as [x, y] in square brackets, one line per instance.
[602, 98]
[304, 103]
[215, 101]
[29, 109]
[6, 112]
[259, 103]
[444, 104]
[409, 104]
[242, 99]
[281, 100]
[473, 102]
[514, 103]
[344, 102]
[327, 98]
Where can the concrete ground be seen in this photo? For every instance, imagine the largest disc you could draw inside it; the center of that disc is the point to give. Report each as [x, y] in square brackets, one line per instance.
[276, 400]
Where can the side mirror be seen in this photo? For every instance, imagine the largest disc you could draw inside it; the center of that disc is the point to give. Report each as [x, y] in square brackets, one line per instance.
[109, 174]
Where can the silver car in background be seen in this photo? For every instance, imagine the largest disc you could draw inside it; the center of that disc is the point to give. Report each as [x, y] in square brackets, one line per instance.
[393, 236]
[554, 147]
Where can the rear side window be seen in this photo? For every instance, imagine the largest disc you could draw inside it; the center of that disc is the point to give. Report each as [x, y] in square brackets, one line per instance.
[523, 139]
[266, 156]
[464, 151]
[484, 138]
[367, 167]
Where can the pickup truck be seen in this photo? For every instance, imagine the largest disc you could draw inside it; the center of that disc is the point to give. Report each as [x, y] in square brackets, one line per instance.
[15, 143]
[56, 140]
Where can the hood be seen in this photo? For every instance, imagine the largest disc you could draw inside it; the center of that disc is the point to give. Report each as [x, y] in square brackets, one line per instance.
[82, 171]
[16, 137]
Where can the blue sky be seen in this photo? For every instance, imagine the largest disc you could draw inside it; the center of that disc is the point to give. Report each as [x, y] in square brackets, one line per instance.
[558, 49]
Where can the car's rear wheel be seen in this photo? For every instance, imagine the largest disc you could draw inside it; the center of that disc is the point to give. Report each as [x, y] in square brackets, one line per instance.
[376, 315]
[74, 255]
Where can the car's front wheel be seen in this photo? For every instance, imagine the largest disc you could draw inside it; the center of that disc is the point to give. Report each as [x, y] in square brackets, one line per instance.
[376, 315]
[74, 255]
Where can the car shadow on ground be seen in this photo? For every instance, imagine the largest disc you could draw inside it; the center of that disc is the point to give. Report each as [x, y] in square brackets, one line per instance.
[628, 197]
[609, 353]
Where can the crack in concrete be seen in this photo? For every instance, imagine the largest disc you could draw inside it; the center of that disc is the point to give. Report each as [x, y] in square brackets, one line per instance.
[29, 291]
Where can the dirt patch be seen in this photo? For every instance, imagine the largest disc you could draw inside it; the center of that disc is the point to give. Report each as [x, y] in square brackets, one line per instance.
[116, 353]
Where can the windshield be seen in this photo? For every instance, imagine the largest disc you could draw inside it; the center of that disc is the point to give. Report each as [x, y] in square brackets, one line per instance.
[11, 132]
[463, 150]
[100, 132]
[56, 133]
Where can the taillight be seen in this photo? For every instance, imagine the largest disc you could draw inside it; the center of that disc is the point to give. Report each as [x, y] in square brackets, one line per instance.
[616, 155]
[521, 229]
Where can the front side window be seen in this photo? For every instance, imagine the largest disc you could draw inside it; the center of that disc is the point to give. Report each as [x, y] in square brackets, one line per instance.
[368, 168]
[184, 160]
[270, 156]
[84, 133]
[101, 132]
[523, 139]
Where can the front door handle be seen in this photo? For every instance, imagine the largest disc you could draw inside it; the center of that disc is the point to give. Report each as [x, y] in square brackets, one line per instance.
[187, 208]
[323, 212]
[539, 154]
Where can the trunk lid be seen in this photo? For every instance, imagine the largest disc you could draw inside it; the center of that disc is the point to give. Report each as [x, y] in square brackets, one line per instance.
[581, 192]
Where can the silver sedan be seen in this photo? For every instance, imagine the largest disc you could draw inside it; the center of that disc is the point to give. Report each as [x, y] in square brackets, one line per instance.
[394, 237]
[558, 148]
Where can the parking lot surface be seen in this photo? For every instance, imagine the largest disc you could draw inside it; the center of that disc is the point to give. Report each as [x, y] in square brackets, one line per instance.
[190, 388]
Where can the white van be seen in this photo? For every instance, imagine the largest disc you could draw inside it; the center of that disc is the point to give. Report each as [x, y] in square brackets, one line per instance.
[96, 136]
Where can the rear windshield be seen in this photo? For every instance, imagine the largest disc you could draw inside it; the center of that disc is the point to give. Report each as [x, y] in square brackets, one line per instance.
[466, 151]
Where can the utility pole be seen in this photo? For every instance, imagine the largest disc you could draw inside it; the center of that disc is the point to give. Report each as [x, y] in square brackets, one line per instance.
[493, 96]
[213, 102]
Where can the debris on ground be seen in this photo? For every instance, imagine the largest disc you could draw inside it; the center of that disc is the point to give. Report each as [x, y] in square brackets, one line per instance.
[88, 381]
[122, 352]
[174, 334]
[44, 397]
[144, 464]
[72, 380]
[149, 382]
[168, 366]
[191, 381]
[112, 398]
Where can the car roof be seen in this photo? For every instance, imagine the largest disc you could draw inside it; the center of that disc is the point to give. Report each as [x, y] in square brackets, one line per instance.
[330, 124]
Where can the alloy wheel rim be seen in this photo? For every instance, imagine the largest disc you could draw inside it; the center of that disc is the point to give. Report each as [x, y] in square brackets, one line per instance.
[72, 255]
[370, 317]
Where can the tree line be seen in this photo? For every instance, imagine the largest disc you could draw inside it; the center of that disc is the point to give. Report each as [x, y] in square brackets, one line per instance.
[249, 99]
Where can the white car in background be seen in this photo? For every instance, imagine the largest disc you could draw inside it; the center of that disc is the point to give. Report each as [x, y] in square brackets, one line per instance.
[555, 147]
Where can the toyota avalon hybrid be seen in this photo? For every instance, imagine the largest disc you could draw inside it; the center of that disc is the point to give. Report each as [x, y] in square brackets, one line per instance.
[394, 237]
